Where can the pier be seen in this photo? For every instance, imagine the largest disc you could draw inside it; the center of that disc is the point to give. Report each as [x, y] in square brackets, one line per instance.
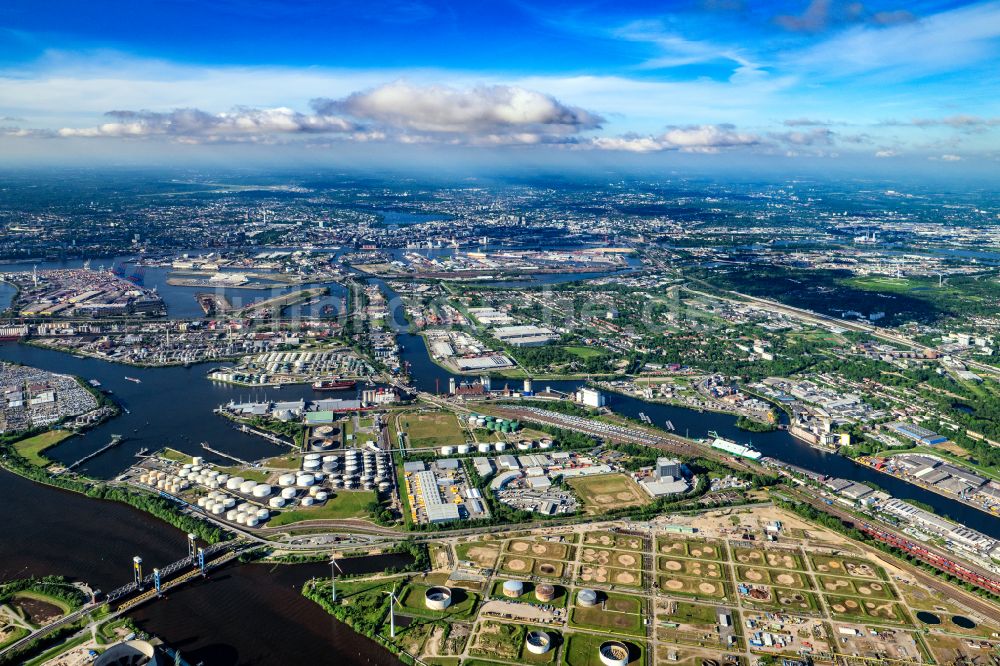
[115, 441]
[208, 448]
[271, 437]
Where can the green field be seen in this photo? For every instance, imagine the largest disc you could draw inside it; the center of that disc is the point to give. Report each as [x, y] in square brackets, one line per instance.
[584, 352]
[175, 455]
[688, 613]
[619, 614]
[31, 448]
[608, 491]
[412, 599]
[346, 504]
[432, 430]
[582, 650]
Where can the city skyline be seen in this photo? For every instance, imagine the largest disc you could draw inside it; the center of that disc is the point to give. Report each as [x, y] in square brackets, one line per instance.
[881, 84]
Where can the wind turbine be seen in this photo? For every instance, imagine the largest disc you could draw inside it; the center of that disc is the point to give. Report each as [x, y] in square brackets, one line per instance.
[393, 599]
[334, 568]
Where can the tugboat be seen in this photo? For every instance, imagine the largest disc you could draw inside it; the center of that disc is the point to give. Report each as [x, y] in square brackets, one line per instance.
[334, 384]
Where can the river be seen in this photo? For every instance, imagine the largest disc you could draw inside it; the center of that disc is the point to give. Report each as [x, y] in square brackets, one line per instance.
[243, 614]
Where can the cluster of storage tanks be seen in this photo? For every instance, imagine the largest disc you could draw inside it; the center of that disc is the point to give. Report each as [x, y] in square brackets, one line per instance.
[462, 449]
[226, 506]
[362, 469]
[169, 483]
[302, 487]
[493, 423]
[544, 592]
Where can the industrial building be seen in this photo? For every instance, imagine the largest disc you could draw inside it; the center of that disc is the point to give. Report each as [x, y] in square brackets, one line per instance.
[916, 433]
[524, 336]
[590, 397]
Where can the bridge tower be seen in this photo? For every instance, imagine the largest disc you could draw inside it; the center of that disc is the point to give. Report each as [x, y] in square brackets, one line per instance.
[201, 560]
[137, 570]
[192, 547]
[156, 580]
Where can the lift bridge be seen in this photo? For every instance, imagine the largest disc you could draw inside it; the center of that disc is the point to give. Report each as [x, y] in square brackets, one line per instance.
[154, 584]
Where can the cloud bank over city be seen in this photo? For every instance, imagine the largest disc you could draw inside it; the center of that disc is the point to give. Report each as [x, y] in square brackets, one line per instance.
[821, 79]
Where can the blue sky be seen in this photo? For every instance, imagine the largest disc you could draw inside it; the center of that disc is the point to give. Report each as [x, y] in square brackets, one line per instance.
[884, 81]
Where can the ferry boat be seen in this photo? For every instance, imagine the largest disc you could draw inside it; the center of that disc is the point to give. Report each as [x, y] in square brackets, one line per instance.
[134, 380]
[335, 384]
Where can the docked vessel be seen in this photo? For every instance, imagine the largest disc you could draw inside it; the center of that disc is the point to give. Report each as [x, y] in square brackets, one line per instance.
[334, 384]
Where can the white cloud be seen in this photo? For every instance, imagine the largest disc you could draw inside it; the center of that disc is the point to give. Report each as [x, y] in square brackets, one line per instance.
[886, 152]
[950, 158]
[194, 122]
[478, 111]
[694, 139]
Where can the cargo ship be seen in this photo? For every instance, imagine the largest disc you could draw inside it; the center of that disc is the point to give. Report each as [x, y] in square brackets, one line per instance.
[335, 384]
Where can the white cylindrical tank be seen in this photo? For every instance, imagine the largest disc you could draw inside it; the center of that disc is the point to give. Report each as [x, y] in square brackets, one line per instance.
[197, 460]
[231, 515]
[447, 450]
[305, 480]
[247, 487]
[241, 518]
[321, 496]
[261, 490]
[184, 473]
[276, 502]
[217, 509]
[463, 449]
[306, 501]
[252, 521]
[229, 502]
[202, 501]
[243, 506]
[234, 482]
[315, 490]
[484, 447]
[311, 465]
[288, 493]
[286, 480]
[384, 487]
[500, 446]
[222, 478]
[263, 514]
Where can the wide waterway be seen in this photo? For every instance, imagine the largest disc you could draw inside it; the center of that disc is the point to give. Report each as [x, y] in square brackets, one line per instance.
[250, 614]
